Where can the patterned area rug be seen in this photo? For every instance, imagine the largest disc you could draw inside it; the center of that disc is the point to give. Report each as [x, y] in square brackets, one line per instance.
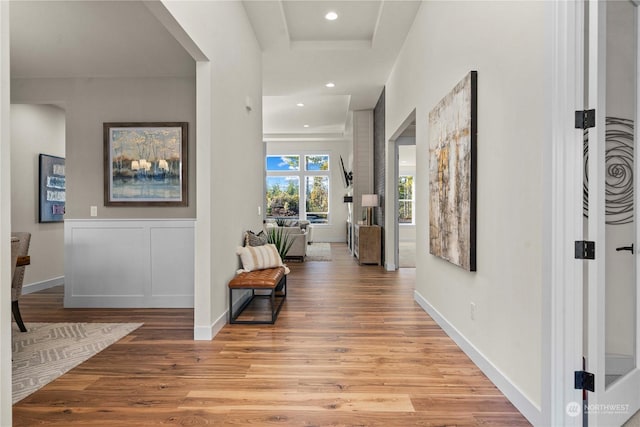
[48, 350]
[319, 252]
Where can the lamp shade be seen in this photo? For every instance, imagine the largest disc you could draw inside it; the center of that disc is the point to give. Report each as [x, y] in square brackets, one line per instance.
[369, 200]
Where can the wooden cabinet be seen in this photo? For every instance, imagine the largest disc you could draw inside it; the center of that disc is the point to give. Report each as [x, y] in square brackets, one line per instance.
[367, 244]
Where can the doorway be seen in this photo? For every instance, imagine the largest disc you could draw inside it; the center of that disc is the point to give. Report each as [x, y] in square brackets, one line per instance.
[405, 195]
[401, 170]
[610, 320]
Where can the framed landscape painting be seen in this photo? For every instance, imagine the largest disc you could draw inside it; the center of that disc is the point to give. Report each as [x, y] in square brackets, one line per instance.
[452, 175]
[145, 164]
[52, 188]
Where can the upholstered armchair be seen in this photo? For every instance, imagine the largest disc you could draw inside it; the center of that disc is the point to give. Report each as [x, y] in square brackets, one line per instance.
[24, 239]
[298, 248]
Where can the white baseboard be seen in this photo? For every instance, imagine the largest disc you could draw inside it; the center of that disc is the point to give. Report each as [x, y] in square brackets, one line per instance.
[530, 411]
[45, 284]
[618, 364]
[390, 266]
[207, 333]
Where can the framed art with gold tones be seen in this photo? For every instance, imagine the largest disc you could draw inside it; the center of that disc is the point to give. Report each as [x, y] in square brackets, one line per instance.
[452, 175]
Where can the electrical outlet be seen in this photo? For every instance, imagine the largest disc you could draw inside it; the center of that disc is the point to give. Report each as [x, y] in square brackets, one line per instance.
[94, 211]
[472, 311]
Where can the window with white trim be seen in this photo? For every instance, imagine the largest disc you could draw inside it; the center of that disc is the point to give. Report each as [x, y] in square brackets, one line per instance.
[296, 192]
[405, 199]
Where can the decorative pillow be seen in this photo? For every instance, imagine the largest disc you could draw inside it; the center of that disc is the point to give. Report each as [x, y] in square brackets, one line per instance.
[253, 239]
[259, 257]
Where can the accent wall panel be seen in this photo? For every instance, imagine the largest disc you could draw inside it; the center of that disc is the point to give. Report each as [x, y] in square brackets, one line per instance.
[129, 263]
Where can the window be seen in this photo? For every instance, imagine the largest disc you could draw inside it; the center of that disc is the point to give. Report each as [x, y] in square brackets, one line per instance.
[317, 199]
[283, 163]
[285, 198]
[405, 199]
[316, 163]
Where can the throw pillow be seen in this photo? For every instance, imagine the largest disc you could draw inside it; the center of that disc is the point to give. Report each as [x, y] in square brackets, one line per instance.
[253, 239]
[259, 257]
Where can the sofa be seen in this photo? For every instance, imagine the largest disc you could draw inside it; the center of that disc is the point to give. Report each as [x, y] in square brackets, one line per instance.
[299, 234]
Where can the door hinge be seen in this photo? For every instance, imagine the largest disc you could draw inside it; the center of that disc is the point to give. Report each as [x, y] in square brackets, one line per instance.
[585, 249]
[585, 381]
[585, 119]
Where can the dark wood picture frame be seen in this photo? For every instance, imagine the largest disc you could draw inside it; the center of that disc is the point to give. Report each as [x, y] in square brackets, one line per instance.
[145, 164]
[51, 188]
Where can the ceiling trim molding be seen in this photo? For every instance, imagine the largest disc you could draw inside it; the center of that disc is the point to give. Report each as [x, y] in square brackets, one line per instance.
[283, 17]
[268, 137]
[330, 45]
[377, 26]
[167, 20]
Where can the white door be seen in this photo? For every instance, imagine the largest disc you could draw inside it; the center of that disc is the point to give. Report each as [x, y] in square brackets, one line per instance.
[611, 299]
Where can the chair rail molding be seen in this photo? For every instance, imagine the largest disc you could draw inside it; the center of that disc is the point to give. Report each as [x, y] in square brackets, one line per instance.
[129, 263]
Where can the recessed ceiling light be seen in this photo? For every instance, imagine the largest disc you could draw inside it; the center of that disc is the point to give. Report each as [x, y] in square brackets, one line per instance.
[300, 104]
[306, 126]
[331, 16]
[330, 84]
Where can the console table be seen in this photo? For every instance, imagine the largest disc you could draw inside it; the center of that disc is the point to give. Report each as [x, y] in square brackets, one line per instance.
[367, 244]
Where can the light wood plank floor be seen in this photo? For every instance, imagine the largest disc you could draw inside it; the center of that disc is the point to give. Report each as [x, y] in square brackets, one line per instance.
[350, 348]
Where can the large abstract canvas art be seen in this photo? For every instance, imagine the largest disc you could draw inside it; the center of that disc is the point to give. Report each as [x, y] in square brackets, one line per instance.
[452, 175]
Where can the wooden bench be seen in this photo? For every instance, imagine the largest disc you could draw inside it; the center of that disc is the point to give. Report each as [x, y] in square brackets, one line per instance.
[270, 279]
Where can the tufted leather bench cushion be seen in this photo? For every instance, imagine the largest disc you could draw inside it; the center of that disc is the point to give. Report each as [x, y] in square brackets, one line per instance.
[258, 279]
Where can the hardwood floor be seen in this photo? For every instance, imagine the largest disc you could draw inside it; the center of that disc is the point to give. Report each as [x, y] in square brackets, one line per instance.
[350, 348]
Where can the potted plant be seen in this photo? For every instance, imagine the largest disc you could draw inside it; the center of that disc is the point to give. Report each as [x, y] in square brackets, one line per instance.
[281, 239]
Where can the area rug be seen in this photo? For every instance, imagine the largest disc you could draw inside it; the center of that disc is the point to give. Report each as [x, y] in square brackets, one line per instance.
[319, 252]
[48, 350]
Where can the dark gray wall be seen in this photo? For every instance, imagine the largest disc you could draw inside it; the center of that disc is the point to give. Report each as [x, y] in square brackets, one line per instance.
[379, 158]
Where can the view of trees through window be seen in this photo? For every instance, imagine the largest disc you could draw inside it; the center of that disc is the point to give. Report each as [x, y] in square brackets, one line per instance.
[283, 187]
[405, 199]
[283, 196]
[317, 199]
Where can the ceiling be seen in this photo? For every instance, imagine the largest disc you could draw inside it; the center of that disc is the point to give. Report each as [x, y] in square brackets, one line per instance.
[302, 51]
[61, 39]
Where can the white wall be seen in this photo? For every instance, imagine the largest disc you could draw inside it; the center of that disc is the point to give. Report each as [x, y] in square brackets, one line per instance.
[229, 146]
[504, 42]
[5, 220]
[36, 129]
[88, 103]
[335, 231]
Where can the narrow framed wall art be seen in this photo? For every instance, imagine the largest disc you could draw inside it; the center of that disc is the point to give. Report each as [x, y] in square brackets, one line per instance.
[453, 128]
[51, 188]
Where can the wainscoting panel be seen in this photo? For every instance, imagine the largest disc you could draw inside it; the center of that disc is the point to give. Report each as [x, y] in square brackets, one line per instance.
[129, 263]
[170, 273]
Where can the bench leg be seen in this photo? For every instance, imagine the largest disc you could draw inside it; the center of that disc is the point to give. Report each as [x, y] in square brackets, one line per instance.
[233, 317]
[280, 287]
[275, 310]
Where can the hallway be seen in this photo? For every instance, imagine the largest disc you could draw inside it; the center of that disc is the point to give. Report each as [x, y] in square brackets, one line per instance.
[350, 347]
